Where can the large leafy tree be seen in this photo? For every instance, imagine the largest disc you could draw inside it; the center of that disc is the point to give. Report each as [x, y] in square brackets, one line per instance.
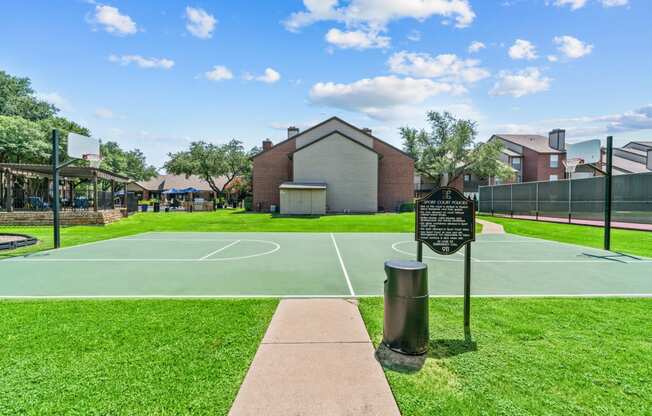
[27, 123]
[449, 148]
[21, 140]
[209, 161]
[17, 99]
[131, 163]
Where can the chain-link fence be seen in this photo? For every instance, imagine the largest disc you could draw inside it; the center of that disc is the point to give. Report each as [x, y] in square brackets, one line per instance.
[581, 199]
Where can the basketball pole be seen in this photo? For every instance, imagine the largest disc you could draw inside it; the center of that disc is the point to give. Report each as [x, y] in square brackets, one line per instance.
[608, 196]
[55, 188]
[56, 167]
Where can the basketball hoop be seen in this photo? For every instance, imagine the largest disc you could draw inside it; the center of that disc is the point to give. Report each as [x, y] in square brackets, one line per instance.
[93, 159]
[572, 164]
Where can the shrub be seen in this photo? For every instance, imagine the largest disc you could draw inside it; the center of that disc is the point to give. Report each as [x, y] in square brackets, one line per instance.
[248, 203]
[406, 207]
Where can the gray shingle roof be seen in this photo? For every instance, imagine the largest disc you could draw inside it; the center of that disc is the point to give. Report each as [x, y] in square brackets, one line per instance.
[165, 182]
[535, 142]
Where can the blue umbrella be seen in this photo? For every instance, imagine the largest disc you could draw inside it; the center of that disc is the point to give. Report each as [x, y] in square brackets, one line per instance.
[190, 190]
[172, 191]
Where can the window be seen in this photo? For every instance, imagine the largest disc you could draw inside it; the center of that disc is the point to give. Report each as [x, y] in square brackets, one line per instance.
[553, 177]
[554, 161]
[516, 163]
[467, 177]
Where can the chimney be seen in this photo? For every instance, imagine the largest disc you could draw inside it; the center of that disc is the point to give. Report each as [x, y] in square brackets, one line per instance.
[267, 144]
[649, 159]
[292, 131]
[367, 130]
[557, 139]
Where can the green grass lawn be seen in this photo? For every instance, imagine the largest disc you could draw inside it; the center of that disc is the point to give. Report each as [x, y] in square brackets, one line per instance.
[626, 241]
[529, 357]
[127, 357]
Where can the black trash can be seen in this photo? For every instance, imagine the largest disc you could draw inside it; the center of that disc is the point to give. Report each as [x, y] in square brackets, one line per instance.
[406, 307]
[157, 207]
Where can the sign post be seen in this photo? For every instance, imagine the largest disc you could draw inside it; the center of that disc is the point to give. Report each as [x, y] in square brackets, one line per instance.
[445, 222]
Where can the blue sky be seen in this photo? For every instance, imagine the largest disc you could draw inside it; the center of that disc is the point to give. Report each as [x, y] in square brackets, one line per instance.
[158, 74]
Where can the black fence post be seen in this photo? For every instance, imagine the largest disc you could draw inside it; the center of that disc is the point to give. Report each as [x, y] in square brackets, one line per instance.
[607, 196]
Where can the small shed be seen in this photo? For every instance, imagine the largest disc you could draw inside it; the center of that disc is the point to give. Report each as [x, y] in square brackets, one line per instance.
[303, 198]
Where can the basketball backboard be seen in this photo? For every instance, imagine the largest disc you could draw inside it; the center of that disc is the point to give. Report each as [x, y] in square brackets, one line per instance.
[80, 146]
[588, 151]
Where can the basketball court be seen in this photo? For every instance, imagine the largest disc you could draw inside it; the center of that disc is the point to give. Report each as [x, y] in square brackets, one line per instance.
[313, 265]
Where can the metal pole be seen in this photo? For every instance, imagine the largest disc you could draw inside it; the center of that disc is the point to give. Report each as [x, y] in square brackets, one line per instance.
[511, 199]
[467, 286]
[537, 202]
[607, 196]
[570, 196]
[419, 251]
[55, 188]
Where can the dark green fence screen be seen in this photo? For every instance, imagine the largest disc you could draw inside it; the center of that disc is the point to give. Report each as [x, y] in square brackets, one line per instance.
[577, 198]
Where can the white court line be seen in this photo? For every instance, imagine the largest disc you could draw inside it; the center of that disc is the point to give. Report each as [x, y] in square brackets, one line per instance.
[565, 295]
[219, 249]
[346, 274]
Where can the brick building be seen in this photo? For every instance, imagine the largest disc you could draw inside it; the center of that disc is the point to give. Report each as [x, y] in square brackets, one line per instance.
[331, 167]
[534, 157]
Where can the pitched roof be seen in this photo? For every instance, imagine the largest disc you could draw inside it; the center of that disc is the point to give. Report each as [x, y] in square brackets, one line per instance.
[534, 142]
[330, 134]
[625, 165]
[326, 121]
[165, 182]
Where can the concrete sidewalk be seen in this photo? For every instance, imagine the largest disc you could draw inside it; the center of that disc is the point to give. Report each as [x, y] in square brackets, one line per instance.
[315, 359]
[491, 227]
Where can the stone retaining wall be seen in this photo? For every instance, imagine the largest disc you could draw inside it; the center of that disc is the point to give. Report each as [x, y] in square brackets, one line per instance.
[29, 218]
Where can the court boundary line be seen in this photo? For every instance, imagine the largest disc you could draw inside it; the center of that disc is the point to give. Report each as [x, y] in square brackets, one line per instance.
[219, 250]
[346, 274]
[343, 296]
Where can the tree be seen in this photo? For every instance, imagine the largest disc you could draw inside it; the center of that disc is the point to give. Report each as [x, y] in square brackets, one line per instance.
[209, 161]
[22, 141]
[17, 99]
[28, 121]
[449, 149]
[130, 163]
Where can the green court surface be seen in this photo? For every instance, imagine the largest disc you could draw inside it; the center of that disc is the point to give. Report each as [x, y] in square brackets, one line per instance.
[313, 264]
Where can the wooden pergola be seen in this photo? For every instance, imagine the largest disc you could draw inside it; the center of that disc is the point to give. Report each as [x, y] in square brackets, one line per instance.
[10, 171]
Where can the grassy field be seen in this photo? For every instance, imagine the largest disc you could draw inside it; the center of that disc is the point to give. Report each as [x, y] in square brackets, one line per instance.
[529, 357]
[127, 357]
[626, 241]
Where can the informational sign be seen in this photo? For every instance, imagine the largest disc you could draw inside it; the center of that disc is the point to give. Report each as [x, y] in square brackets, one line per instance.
[445, 220]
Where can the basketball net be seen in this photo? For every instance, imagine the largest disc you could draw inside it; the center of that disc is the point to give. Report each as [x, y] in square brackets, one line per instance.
[93, 160]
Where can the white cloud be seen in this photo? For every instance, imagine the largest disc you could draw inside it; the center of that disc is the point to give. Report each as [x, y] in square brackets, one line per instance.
[356, 39]
[379, 96]
[520, 83]
[475, 46]
[522, 49]
[614, 3]
[142, 62]
[103, 112]
[414, 36]
[57, 100]
[552, 58]
[219, 73]
[113, 21]
[199, 23]
[572, 47]
[376, 14]
[574, 4]
[447, 66]
[270, 76]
